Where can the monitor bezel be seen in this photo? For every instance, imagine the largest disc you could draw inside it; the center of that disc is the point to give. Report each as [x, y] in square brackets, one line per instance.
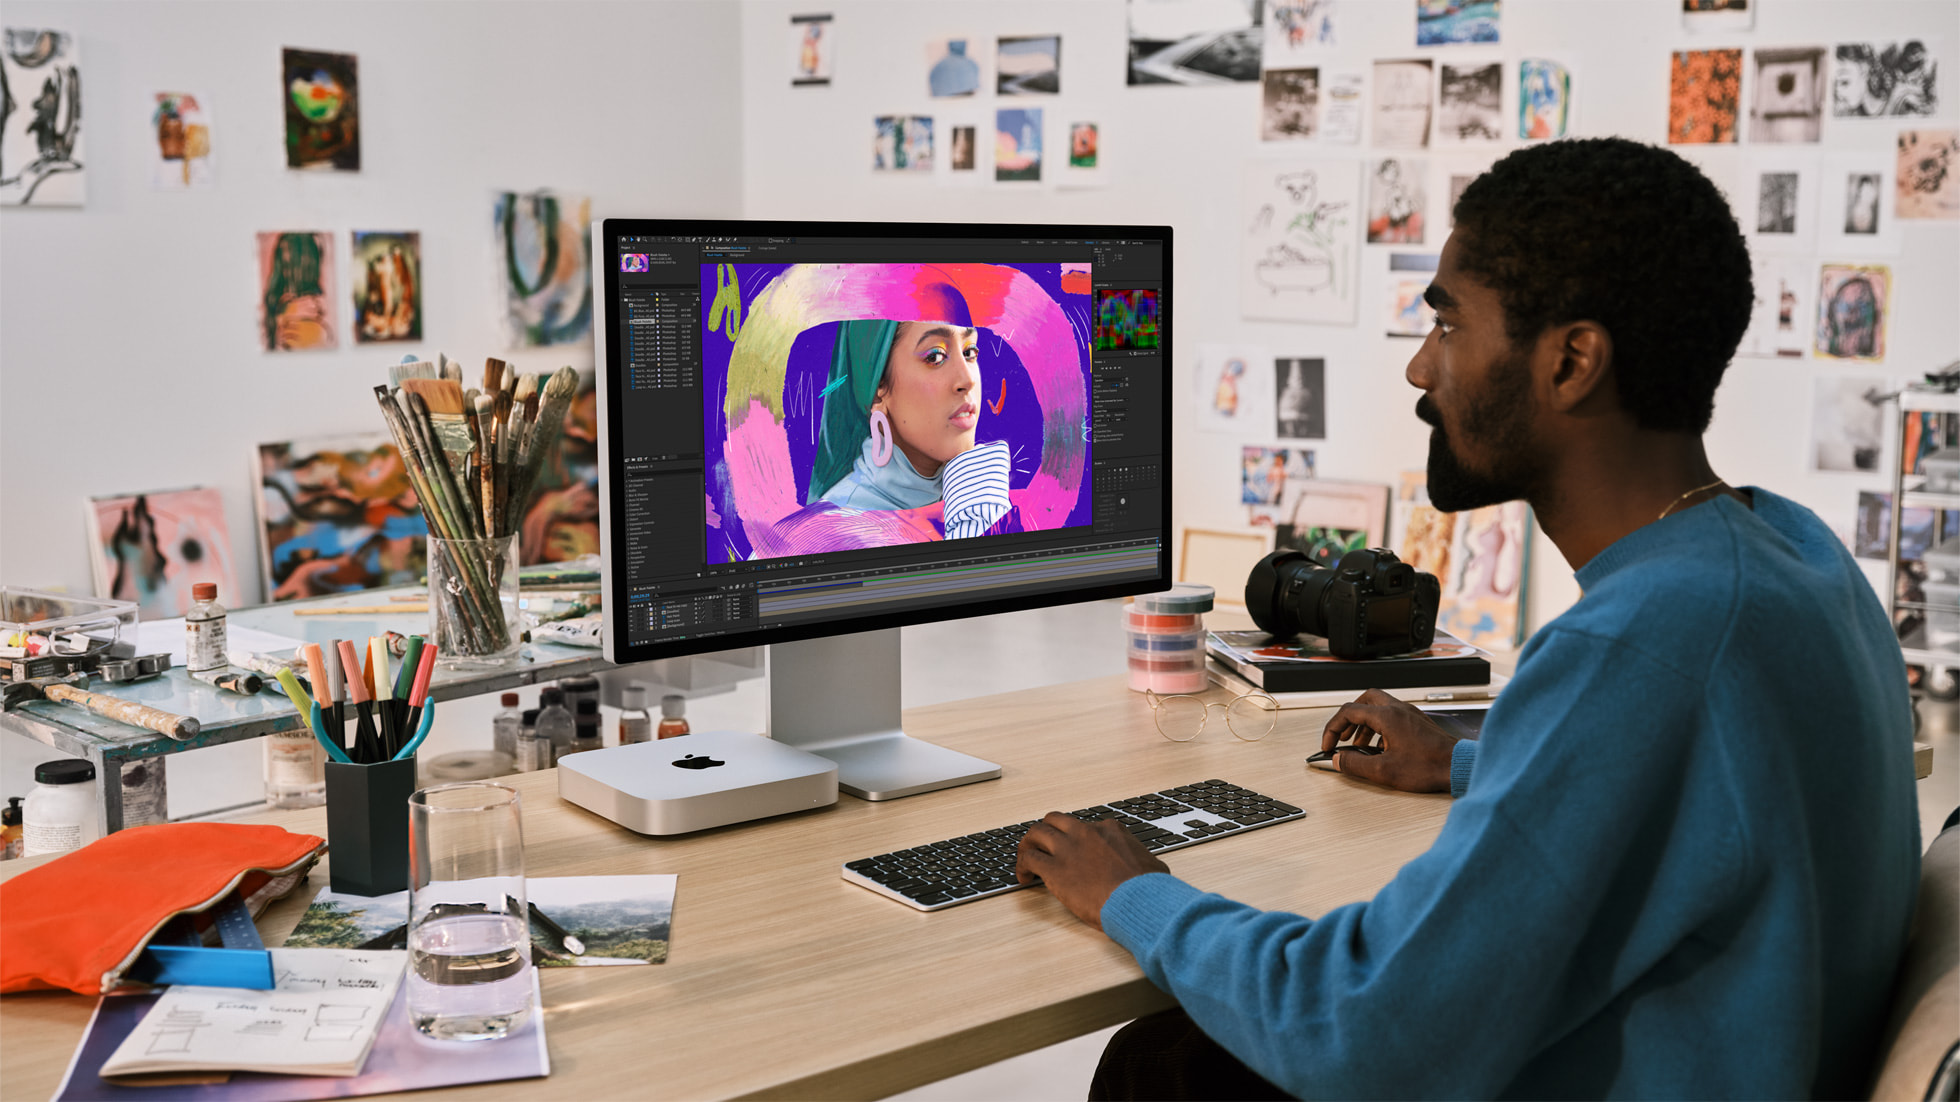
[605, 237]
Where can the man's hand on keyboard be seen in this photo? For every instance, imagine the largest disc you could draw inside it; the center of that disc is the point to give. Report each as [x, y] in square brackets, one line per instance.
[1415, 750]
[1082, 863]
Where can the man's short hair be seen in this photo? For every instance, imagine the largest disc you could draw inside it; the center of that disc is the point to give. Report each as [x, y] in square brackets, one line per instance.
[1627, 235]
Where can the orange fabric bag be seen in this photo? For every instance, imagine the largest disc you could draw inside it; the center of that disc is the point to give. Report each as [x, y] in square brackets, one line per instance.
[78, 922]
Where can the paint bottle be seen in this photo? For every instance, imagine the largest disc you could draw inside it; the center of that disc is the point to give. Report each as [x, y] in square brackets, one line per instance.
[145, 796]
[555, 723]
[204, 630]
[672, 721]
[586, 732]
[59, 815]
[10, 844]
[505, 725]
[635, 722]
[579, 689]
[533, 753]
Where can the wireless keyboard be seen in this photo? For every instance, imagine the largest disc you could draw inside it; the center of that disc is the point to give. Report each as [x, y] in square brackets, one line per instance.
[959, 870]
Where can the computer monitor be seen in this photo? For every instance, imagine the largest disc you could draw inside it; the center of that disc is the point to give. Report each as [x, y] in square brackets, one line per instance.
[814, 433]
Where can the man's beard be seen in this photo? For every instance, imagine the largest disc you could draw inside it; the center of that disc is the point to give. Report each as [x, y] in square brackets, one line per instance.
[1499, 420]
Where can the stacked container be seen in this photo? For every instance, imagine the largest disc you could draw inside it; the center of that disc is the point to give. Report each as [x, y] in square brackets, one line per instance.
[1167, 639]
[1942, 590]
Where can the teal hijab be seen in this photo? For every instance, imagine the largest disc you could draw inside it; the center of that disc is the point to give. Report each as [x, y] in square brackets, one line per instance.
[857, 366]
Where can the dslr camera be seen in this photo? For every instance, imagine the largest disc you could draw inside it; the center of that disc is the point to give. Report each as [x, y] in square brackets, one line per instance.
[1370, 605]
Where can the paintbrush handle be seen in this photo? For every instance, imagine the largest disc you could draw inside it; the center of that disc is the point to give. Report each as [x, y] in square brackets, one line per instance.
[128, 711]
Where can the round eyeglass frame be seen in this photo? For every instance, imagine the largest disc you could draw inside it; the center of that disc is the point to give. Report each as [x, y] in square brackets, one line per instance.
[1183, 717]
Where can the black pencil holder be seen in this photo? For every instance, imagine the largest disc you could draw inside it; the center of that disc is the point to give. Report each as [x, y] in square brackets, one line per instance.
[367, 825]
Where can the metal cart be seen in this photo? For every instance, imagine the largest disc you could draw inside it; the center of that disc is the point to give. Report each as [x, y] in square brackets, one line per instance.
[1923, 584]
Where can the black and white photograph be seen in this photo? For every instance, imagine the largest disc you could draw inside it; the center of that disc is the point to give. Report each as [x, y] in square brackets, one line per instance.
[1872, 81]
[1028, 65]
[1789, 99]
[1776, 203]
[960, 147]
[1469, 103]
[1194, 41]
[1861, 195]
[1291, 104]
[1300, 399]
[1847, 424]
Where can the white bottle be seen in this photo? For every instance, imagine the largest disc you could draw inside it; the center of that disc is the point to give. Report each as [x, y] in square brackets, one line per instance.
[204, 630]
[635, 722]
[59, 815]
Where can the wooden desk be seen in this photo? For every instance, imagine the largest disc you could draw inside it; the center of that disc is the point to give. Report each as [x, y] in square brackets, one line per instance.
[786, 982]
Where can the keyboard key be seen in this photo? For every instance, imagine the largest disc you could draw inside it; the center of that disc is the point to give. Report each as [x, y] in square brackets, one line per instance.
[935, 897]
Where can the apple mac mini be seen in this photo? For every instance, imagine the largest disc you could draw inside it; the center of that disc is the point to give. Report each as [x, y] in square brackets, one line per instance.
[693, 782]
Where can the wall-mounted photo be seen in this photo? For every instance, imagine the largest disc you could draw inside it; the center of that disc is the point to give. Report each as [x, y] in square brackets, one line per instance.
[1028, 65]
[323, 110]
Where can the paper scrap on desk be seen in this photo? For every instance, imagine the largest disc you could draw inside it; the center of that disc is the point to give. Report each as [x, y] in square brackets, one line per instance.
[320, 1019]
[167, 637]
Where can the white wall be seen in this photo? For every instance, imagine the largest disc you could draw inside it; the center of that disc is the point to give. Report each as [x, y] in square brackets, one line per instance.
[1175, 156]
[128, 355]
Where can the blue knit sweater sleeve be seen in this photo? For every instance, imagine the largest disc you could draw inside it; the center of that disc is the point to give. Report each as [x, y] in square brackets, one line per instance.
[1495, 930]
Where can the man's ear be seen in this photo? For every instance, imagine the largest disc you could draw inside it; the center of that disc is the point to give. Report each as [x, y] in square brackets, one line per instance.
[1580, 361]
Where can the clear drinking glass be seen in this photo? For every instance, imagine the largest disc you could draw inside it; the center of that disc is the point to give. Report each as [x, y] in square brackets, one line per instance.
[473, 615]
[469, 940]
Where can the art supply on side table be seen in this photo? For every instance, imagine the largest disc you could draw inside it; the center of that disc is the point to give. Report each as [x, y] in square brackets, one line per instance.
[69, 690]
[59, 815]
[578, 689]
[555, 722]
[10, 829]
[204, 630]
[244, 683]
[673, 720]
[586, 732]
[505, 725]
[533, 751]
[635, 722]
[1167, 639]
[469, 972]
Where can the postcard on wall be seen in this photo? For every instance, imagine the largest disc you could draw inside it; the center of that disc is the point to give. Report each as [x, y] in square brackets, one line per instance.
[1928, 174]
[901, 143]
[1343, 105]
[181, 123]
[1233, 391]
[811, 44]
[1018, 144]
[1483, 594]
[323, 110]
[1877, 79]
[1193, 42]
[151, 548]
[1848, 422]
[1267, 474]
[387, 278]
[1457, 22]
[960, 162]
[1299, 251]
[951, 68]
[1704, 96]
[1469, 103]
[336, 514]
[298, 307]
[1788, 102]
[1852, 304]
[1418, 532]
[1085, 167]
[1857, 212]
[1289, 104]
[1298, 31]
[1402, 104]
[542, 256]
[1779, 201]
[1782, 321]
[1408, 314]
[1028, 65]
[1718, 15]
[41, 155]
[1300, 399]
[1398, 200]
[1544, 99]
[1454, 173]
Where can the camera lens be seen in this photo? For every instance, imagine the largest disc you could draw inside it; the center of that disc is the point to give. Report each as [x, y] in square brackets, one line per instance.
[1283, 593]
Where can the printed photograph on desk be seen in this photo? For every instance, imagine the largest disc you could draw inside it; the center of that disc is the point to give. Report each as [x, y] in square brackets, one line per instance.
[1398, 197]
[1017, 145]
[1028, 65]
[1873, 80]
[1852, 302]
[1298, 254]
[1928, 175]
[337, 514]
[323, 111]
[541, 253]
[562, 523]
[298, 310]
[1483, 594]
[41, 157]
[1456, 22]
[1848, 422]
[1788, 102]
[1718, 15]
[951, 68]
[182, 125]
[852, 406]
[1290, 104]
[151, 548]
[576, 921]
[1300, 399]
[1402, 104]
[387, 272]
[1231, 388]
[1297, 30]
[1469, 103]
[1704, 96]
[811, 45]
[1194, 42]
[1408, 313]
[1544, 99]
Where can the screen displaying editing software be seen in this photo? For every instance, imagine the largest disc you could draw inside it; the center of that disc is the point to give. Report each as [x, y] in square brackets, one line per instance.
[813, 429]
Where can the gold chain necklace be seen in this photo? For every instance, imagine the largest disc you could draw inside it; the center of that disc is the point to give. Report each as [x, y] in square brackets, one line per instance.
[1698, 489]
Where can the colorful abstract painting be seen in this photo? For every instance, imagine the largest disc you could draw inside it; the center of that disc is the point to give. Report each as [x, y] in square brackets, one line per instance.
[387, 287]
[1454, 22]
[41, 124]
[1544, 99]
[1852, 303]
[1419, 533]
[151, 548]
[563, 520]
[1928, 175]
[182, 125]
[1704, 96]
[297, 307]
[337, 514]
[1483, 593]
[1017, 144]
[323, 111]
[901, 143]
[544, 271]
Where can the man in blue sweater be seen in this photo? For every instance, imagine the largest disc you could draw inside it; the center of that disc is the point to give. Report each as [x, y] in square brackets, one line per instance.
[1682, 858]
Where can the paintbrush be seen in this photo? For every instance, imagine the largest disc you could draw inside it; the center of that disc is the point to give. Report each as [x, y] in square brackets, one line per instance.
[485, 462]
[447, 415]
[410, 369]
[440, 474]
[500, 457]
[555, 402]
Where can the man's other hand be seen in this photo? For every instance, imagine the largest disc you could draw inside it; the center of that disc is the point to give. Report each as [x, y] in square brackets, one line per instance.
[1415, 750]
[1082, 863]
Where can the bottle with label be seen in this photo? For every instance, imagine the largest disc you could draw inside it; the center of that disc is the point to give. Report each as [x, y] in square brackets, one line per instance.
[59, 815]
[204, 630]
[672, 720]
[555, 722]
[145, 796]
[533, 753]
[635, 722]
[10, 829]
[578, 689]
[504, 726]
[295, 769]
[586, 732]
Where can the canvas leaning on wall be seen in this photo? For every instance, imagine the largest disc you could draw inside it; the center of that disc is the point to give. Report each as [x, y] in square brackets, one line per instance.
[151, 548]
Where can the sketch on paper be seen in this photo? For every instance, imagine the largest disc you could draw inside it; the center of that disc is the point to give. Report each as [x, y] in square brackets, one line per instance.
[1455, 22]
[902, 143]
[1483, 593]
[1017, 143]
[323, 111]
[1928, 176]
[297, 309]
[1544, 99]
[1869, 81]
[810, 48]
[1469, 105]
[1781, 322]
[1298, 255]
[151, 548]
[542, 255]
[1296, 29]
[1402, 104]
[1232, 391]
[1194, 41]
[1717, 15]
[1028, 65]
[1704, 93]
[387, 277]
[1290, 104]
[1851, 308]
[183, 135]
[1300, 401]
[1847, 424]
[335, 515]
[950, 69]
[1409, 275]
[1397, 198]
[40, 119]
[1789, 95]
[1341, 108]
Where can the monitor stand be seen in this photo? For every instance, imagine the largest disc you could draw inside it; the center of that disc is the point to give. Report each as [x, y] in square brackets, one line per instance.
[838, 698]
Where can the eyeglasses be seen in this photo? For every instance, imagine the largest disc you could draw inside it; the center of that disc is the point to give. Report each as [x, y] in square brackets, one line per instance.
[1182, 718]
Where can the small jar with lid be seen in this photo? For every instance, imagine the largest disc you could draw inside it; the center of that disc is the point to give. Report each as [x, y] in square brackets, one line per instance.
[673, 716]
[59, 815]
[1167, 639]
[204, 631]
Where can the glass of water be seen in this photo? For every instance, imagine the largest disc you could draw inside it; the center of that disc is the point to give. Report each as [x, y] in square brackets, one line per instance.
[469, 941]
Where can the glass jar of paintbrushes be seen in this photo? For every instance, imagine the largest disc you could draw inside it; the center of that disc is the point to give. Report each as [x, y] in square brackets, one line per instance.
[474, 457]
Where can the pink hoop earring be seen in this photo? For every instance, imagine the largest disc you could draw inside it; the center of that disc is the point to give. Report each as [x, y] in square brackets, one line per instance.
[881, 438]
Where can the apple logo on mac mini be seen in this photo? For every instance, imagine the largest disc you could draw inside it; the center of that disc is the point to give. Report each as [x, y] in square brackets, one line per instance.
[692, 762]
